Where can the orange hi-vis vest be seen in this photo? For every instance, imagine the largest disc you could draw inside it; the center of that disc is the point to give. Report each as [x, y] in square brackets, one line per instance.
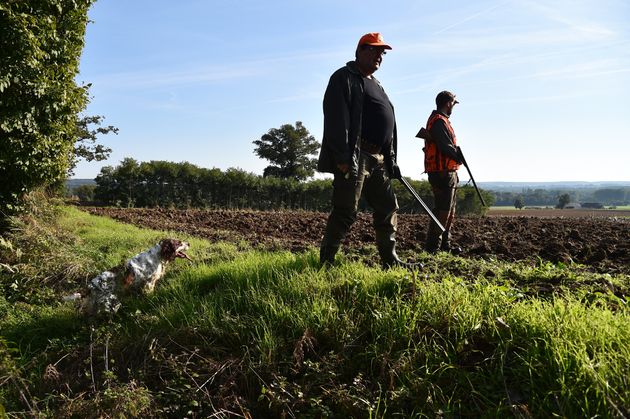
[434, 160]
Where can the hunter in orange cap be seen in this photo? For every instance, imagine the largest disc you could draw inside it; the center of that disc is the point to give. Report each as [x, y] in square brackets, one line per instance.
[374, 39]
[359, 148]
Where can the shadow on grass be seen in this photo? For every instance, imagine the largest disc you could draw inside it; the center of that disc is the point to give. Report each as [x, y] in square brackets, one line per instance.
[34, 335]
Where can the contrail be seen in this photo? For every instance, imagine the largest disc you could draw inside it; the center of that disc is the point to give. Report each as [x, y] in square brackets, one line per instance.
[471, 17]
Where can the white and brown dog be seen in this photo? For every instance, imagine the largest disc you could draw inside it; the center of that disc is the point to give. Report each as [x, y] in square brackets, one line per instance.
[138, 275]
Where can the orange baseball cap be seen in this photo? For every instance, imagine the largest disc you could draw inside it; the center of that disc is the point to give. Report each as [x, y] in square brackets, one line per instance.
[373, 38]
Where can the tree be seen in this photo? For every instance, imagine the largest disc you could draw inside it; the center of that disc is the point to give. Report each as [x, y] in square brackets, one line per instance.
[119, 186]
[610, 195]
[468, 202]
[519, 203]
[563, 200]
[105, 191]
[85, 193]
[288, 148]
[85, 146]
[40, 46]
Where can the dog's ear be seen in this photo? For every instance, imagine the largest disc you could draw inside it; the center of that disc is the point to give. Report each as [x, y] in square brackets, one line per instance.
[169, 249]
[117, 269]
[128, 278]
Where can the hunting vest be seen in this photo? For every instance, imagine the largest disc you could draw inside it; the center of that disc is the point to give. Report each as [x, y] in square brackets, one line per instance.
[434, 160]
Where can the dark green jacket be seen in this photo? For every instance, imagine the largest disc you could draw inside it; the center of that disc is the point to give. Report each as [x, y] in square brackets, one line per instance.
[343, 107]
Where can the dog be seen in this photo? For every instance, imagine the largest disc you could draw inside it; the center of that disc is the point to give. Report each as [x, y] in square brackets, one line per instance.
[138, 275]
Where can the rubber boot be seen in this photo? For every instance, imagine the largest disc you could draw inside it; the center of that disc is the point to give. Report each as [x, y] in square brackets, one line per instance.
[446, 245]
[389, 258]
[327, 255]
[432, 243]
[437, 239]
[453, 250]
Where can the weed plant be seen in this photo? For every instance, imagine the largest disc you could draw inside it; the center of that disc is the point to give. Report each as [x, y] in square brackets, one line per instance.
[244, 332]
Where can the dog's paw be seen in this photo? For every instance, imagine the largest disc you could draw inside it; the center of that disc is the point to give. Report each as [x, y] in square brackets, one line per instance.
[73, 297]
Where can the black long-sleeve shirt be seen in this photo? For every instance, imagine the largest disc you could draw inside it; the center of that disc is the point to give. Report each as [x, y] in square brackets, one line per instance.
[377, 122]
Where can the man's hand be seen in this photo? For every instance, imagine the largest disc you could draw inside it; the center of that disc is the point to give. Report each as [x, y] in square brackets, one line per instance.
[343, 167]
[396, 172]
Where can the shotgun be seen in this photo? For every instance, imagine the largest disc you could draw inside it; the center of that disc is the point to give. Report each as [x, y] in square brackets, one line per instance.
[424, 134]
[413, 192]
[461, 156]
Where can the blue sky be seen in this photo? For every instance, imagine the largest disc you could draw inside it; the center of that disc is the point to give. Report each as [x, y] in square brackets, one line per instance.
[544, 85]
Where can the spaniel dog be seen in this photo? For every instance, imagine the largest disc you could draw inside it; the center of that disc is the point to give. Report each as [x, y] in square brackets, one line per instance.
[138, 275]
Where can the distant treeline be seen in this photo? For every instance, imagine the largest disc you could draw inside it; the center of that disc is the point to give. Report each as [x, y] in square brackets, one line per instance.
[604, 196]
[184, 185]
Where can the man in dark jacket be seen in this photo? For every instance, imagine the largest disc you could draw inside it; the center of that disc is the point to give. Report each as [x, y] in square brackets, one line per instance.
[359, 149]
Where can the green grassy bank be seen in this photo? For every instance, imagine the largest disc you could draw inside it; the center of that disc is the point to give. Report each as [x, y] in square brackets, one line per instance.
[240, 331]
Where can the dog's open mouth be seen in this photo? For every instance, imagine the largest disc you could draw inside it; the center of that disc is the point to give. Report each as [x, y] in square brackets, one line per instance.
[181, 251]
[181, 254]
[172, 249]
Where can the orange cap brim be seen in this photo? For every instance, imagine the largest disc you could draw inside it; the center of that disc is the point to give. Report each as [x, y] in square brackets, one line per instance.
[377, 44]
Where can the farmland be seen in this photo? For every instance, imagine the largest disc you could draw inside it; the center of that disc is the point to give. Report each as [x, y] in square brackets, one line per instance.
[254, 327]
[622, 212]
[601, 243]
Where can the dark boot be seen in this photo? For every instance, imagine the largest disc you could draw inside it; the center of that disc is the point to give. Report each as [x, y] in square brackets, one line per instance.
[395, 262]
[327, 254]
[454, 250]
[436, 238]
[389, 258]
[432, 244]
[446, 244]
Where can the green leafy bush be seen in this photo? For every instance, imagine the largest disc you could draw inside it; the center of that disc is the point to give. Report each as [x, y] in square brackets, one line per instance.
[40, 46]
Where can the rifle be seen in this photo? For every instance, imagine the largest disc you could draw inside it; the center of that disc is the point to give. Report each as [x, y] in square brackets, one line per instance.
[424, 206]
[424, 134]
[461, 156]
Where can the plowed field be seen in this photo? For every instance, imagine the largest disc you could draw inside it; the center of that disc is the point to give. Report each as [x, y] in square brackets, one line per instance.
[601, 243]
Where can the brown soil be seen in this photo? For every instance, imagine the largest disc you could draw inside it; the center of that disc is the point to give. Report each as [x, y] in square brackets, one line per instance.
[565, 213]
[603, 244]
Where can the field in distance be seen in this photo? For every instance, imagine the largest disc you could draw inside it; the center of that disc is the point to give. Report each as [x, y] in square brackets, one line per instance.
[510, 211]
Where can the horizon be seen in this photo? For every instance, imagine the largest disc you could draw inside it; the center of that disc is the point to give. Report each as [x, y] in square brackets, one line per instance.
[539, 85]
[622, 182]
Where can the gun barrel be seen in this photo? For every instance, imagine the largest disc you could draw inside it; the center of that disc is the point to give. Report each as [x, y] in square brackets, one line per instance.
[424, 206]
[461, 154]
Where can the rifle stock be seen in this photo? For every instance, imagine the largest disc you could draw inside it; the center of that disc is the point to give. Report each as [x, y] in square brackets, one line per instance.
[424, 134]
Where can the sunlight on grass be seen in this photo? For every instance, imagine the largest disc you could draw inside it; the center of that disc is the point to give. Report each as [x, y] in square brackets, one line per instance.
[461, 337]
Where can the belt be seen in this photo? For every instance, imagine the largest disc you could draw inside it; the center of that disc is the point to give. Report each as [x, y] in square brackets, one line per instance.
[371, 148]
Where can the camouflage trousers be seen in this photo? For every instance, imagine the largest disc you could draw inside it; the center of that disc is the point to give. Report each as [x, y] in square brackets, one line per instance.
[444, 186]
[372, 182]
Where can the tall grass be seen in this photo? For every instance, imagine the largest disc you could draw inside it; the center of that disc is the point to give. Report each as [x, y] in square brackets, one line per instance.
[273, 333]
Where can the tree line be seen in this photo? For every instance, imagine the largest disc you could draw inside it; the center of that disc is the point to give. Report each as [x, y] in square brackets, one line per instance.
[185, 185]
[550, 197]
[43, 135]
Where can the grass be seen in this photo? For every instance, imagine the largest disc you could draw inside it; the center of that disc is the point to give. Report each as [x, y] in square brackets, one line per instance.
[241, 332]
